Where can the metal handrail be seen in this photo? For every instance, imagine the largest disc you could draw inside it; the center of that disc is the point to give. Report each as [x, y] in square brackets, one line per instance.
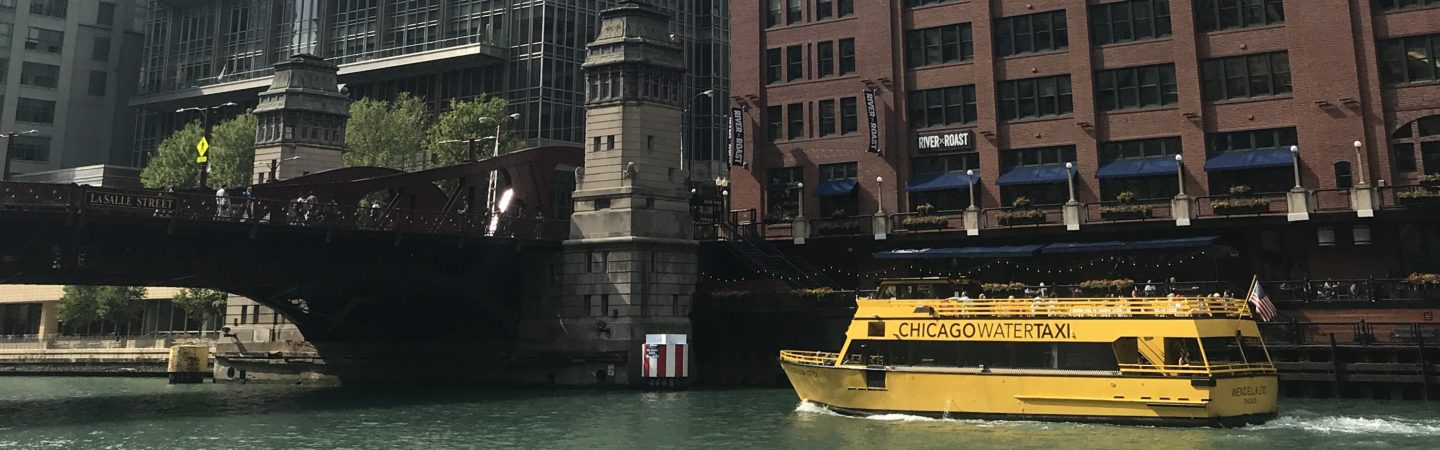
[1090, 307]
[1197, 369]
[810, 358]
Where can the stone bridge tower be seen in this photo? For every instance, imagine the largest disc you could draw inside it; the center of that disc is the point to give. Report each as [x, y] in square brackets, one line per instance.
[301, 121]
[630, 262]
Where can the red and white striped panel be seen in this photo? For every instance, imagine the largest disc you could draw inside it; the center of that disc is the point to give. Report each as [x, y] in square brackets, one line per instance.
[665, 361]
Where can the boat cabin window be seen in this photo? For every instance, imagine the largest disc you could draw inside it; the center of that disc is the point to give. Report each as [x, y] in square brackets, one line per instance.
[1234, 350]
[924, 291]
[998, 355]
[1183, 352]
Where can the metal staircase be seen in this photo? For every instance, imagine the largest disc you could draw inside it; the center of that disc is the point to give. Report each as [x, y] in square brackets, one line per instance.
[750, 247]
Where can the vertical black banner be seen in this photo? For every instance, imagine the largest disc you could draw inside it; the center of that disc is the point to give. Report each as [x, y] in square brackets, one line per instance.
[736, 131]
[874, 126]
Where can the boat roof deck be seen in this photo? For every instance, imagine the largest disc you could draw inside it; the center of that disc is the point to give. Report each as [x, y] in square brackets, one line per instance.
[1115, 307]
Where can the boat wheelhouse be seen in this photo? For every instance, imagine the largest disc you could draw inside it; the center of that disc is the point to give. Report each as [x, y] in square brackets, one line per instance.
[921, 346]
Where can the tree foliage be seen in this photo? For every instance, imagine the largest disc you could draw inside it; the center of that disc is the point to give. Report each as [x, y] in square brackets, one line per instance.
[116, 304]
[386, 133]
[201, 303]
[469, 119]
[231, 154]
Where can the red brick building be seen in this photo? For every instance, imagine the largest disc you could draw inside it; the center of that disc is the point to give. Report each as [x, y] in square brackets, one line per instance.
[1002, 95]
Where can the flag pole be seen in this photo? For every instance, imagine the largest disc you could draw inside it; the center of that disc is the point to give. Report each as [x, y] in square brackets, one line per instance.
[1254, 280]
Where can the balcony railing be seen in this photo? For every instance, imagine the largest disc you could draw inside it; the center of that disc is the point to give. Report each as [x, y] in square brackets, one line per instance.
[1332, 200]
[1408, 196]
[941, 221]
[1350, 333]
[1159, 210]
[1222, 206]
[1021, 217]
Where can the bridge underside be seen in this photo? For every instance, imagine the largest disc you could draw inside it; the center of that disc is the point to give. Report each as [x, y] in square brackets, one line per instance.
[337, 286]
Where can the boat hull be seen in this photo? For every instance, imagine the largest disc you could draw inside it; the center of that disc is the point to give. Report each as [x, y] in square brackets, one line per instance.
[1102, 398]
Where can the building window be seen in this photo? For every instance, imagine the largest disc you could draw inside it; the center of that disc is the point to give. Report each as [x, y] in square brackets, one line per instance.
[824, 9]
[793, 13]
[1423, 133]
[827, 117]
[1136, 87]
[1130, 20]
[52, 8]
[1241, 141]
[840, 205]
[7, 5]
[39, 75]
[1212, 15]
[34, 111]
[105, 15]
[847, 56]
[794, 63]
[7, 35]
[244, 314]
[795, 113]
[825, 58]
[1344, 178]
[610, 142]
[943, 106]
[782, 193]
[845, 8]
[773, 65]
[772, 12]
[1031, 33]
[1035, 97]
[43, 40]
[914, 3]
[939, 45]
[32, 148]
[1246, 76]
[597, 262]
[1044, 193]
[1391, 5]
[101, 49]
[97, 83]
[1147, 187]
[774, 123]
[4, 73]
[1260, 180]
[849, 122]
[928, 168]
[595, 144]
[1410, 59]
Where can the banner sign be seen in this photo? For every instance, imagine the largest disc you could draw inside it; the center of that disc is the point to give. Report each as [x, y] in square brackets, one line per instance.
[874, 126]
[735, 130]
[129, 200]
[946, 141]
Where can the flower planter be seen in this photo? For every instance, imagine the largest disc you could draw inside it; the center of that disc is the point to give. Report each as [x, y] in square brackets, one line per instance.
[1010, 221]
[1242, 209]
[926, 226]
[1419, 202]
[1125, 215]
[1430, 184]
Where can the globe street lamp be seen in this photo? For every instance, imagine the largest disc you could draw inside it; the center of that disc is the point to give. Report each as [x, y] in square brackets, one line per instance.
[801, 187]
[970, 178]
[1295, 161]
[1359, 162]
[685, 130]
[1070, 179]
[1180, 172]
[880, 195]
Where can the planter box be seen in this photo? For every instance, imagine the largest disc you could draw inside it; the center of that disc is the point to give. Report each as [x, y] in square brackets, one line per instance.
[1430, 184]
[926, 226]
[1025, 220]
[1125, 215]
[1419, 202]
[1247, 209]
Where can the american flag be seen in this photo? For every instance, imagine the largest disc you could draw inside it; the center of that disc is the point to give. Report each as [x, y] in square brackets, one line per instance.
[1260, 303]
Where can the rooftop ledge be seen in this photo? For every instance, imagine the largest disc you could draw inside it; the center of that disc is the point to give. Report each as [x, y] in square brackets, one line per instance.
[354, 72]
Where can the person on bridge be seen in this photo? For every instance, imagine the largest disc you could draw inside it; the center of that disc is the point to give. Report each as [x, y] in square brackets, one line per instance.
[249, 197]
[222, 203]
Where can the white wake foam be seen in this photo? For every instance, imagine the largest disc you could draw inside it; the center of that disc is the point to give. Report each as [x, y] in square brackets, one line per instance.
[1354, 425]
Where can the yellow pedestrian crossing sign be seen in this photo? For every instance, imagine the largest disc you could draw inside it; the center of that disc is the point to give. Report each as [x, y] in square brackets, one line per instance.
[200, 149]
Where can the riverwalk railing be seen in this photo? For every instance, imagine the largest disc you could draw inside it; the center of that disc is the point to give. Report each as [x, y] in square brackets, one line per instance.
[321, 214]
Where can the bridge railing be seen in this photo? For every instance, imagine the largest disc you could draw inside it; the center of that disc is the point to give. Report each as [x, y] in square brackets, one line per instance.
[205, 207]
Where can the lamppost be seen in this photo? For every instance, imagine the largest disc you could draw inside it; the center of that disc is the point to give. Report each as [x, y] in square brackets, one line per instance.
[1180, 173]
[10, 151]
[1295, 162]
[723, 184]
[801, 187]
[206, 123]
[685, 131]
[880, 195]
[1359, 163]
[275, 166]
[970, 179]
[1070, 179]
[494, 174]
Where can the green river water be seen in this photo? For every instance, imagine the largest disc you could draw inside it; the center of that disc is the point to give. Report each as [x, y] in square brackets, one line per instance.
[135, 413]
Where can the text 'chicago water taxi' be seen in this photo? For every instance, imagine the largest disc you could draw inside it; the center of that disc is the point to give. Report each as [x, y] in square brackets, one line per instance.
[1187, 361]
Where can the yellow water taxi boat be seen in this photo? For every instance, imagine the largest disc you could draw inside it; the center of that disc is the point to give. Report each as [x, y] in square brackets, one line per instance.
[919, 346]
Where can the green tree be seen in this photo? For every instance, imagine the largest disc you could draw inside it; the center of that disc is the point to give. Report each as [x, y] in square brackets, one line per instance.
[468, 119]
[383, 133]
[201, 303]
[114, 304]
[231, 154]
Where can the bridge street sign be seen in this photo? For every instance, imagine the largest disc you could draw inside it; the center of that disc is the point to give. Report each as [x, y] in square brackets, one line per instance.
[127, 200]
[200, 149]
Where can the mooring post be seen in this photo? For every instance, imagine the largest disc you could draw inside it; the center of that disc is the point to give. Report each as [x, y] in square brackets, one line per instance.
[1424, 365]
[1339, 367]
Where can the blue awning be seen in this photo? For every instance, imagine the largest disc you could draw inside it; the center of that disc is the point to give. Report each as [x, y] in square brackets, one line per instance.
[1083, 247]
[1162, 244]
[1013, 251]
[1032, 175]
[836, 188]
[1249, 159]
[940, 182]
[1143, 167]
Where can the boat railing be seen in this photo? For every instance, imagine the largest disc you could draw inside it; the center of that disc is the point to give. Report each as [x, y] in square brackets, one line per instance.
[1091, 307]
[810, 358]
[1196, 369]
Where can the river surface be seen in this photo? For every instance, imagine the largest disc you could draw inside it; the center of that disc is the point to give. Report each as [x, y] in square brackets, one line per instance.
[147, 413]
